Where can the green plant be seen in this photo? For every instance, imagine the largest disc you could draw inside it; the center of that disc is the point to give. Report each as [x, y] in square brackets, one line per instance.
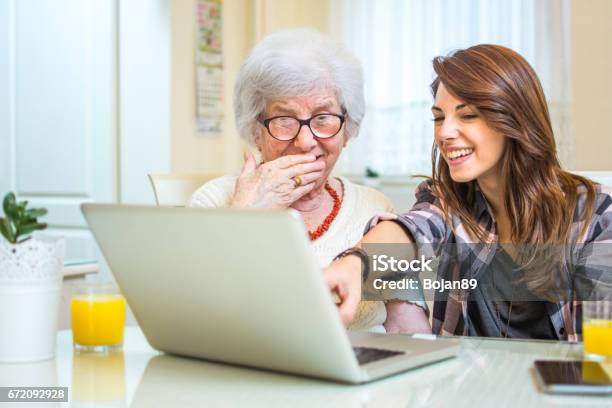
[371, 173]
[20, 221]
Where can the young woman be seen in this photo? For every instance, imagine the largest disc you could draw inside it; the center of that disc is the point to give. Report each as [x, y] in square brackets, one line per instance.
[499, 195]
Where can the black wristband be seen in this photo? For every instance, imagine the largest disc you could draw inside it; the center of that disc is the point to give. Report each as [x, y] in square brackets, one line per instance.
[363, 255]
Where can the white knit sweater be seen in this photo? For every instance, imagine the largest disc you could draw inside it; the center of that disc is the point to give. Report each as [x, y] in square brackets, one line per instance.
[359, 204]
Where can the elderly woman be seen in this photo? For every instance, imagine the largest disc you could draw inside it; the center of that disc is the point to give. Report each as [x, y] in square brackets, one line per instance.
[299, 99]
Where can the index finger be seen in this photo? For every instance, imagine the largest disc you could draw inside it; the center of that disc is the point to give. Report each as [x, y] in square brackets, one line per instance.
[284, 162]
[346, 300]
[347, 309]
[347, 306]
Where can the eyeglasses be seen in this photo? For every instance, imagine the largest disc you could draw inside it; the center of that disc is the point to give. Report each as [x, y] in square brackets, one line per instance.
[285, 128]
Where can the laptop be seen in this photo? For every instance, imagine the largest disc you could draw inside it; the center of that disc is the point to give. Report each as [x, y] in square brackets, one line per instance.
[242, 287]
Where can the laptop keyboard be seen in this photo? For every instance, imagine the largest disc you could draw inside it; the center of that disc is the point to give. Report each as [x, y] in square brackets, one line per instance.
[367, 355]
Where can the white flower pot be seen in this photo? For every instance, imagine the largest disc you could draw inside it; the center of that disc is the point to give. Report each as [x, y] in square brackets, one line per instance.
[30, 291]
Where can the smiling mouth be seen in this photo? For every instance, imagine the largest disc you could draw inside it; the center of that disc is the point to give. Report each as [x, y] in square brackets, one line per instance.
[459, 155]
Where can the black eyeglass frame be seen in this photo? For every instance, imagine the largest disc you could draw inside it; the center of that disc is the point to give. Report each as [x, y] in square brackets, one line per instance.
[303, 122]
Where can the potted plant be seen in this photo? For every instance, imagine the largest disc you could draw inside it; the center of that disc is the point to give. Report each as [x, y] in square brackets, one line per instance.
[30, 284]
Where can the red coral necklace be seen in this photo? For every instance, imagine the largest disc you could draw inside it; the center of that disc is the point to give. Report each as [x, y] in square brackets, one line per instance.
[321, 229]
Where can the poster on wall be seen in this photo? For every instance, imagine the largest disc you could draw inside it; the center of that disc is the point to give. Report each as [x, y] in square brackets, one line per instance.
[209, 68]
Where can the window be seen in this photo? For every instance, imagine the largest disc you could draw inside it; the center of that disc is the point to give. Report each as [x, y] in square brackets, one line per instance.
[396, 41]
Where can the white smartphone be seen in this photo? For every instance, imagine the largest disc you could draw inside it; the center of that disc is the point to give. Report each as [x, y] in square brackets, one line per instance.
[573, 377]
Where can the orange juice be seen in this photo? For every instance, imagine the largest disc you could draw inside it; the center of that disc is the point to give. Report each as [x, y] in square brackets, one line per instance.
[98, 319]
[597, 334]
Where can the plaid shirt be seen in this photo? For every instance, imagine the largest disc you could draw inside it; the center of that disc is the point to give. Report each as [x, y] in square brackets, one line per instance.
[427, 224]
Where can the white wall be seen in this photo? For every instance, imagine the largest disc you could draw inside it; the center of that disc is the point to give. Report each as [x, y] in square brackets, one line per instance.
[192, 153]
[591, 70]
[144, 96]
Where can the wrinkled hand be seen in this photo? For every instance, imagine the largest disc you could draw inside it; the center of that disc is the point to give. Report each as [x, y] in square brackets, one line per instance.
[344, 279]
[271, 185]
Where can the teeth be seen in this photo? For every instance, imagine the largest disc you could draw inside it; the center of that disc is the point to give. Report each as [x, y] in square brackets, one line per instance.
[459, 153]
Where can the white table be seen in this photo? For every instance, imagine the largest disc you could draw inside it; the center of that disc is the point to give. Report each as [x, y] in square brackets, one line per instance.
[486, 373]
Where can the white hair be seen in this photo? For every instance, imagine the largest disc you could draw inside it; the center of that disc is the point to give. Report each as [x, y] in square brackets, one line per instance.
[294, 63]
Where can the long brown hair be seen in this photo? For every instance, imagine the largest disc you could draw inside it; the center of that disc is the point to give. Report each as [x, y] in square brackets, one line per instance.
[540, 197]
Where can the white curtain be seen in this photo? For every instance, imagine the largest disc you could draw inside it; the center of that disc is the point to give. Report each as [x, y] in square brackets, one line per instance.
[396, 41]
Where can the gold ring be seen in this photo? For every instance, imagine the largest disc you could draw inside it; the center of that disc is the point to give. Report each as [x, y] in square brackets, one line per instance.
[297, 180]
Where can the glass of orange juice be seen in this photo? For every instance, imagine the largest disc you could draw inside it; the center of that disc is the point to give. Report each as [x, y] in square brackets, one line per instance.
[98, 317]
[597, 329]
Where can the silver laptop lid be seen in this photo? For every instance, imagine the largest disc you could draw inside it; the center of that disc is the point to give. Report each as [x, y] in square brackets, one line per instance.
[238, 286]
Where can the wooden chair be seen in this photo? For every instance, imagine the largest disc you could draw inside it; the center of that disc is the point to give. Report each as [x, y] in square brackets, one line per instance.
[175, 189]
